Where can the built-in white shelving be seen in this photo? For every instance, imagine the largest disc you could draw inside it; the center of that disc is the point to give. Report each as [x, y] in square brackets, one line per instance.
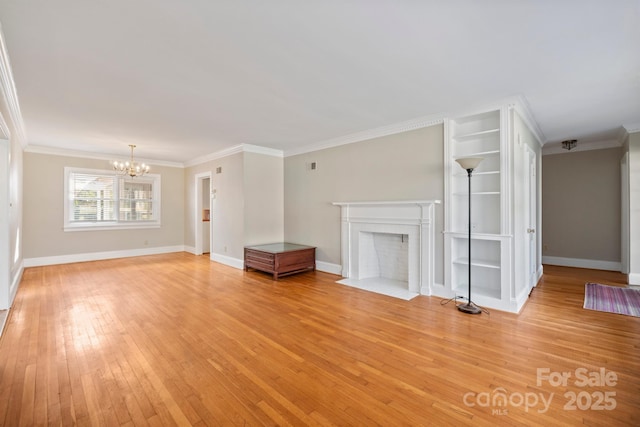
[487, 134]
[477, 135]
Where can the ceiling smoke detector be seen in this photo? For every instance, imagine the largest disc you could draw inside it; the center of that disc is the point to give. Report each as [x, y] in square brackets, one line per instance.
[569, 144]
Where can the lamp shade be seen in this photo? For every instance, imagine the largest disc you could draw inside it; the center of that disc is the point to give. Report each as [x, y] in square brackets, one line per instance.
[469, 162]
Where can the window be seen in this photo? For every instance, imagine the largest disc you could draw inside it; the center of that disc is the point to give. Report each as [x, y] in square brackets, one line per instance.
[98, 199]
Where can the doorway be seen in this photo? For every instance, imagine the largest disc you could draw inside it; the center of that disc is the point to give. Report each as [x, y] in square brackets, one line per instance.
[203, 216]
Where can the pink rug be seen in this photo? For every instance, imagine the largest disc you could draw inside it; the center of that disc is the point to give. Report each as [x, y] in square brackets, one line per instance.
[612, 299]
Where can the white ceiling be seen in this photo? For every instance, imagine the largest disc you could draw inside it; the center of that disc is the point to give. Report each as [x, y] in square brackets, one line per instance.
[183, 79]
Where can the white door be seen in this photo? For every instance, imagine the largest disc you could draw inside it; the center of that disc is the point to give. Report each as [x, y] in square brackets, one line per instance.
[531, 209]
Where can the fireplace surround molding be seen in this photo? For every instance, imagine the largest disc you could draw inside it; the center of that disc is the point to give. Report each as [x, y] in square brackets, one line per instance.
[414, 218]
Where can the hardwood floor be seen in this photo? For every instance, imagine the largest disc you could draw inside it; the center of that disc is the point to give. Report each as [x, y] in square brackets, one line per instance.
[178, 340]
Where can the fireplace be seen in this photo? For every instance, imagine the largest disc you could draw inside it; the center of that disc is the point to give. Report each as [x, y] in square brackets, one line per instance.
[384, 255]
[387, 247]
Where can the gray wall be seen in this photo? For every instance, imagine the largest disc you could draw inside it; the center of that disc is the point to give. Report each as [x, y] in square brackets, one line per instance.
[263, 199]
[405, 166]
[581, 205]
[44, 211]
[227, 209]
[249, 203]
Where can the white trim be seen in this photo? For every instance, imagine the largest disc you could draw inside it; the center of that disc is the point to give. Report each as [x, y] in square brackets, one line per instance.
[116, 226]
[539, 274]
[213, 156]
[9, 92]
[5, 133]
[523, 109]
[4, 316]
[414, 218]
[190, 249]
[632, 127]
[227, 260]
[97, 256]
[54, 151]
[328, 267]
[520, 299]
[556, 148]
[15, 283]
[582, 263]
[248, 148]
[436, 290]
[154, 178]
[633, 279]
[241, 148]
[392, 129]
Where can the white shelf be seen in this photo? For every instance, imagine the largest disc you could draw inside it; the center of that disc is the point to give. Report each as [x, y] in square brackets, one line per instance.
[492, 172]
[476, 236]
[479, 154]
[479, 134]
[479, 193]
[478, 263]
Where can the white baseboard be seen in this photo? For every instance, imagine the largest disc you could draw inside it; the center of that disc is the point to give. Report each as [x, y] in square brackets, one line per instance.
[190, 249]
[437, 290]
[328, 267]
[633, 279]
[15, 283]
[4, 316]
[520, 299]
[97, 256]
[582, 263]
[227, 260]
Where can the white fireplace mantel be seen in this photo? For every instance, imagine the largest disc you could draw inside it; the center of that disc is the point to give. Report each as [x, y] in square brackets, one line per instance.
[414, 218]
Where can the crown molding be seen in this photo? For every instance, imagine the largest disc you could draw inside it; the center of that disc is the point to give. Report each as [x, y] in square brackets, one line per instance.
[631, 128]
[556, 148]
[52, 151]
[213, 156]
[5, 133]
[409, 125]
[10, 95]
[240, 148]
[248, 148]
[524, 110]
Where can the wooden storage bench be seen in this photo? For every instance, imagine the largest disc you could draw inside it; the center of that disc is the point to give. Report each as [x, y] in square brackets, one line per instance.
[280, 259]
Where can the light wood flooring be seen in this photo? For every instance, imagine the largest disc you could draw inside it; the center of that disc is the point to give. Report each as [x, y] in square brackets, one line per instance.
[177, 339]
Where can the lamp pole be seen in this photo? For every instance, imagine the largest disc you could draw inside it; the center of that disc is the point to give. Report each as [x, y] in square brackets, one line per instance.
[469, 164]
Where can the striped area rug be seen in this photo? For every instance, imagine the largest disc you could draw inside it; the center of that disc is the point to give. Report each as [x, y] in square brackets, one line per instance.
[612, 299]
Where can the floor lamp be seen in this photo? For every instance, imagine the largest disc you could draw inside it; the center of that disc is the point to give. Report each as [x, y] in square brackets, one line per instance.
[469, 164]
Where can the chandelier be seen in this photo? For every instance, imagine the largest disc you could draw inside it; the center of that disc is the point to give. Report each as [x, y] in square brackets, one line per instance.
[130, 168]
[569, 144]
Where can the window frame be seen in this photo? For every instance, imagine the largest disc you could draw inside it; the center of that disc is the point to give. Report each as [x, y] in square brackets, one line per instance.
[116, 224]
